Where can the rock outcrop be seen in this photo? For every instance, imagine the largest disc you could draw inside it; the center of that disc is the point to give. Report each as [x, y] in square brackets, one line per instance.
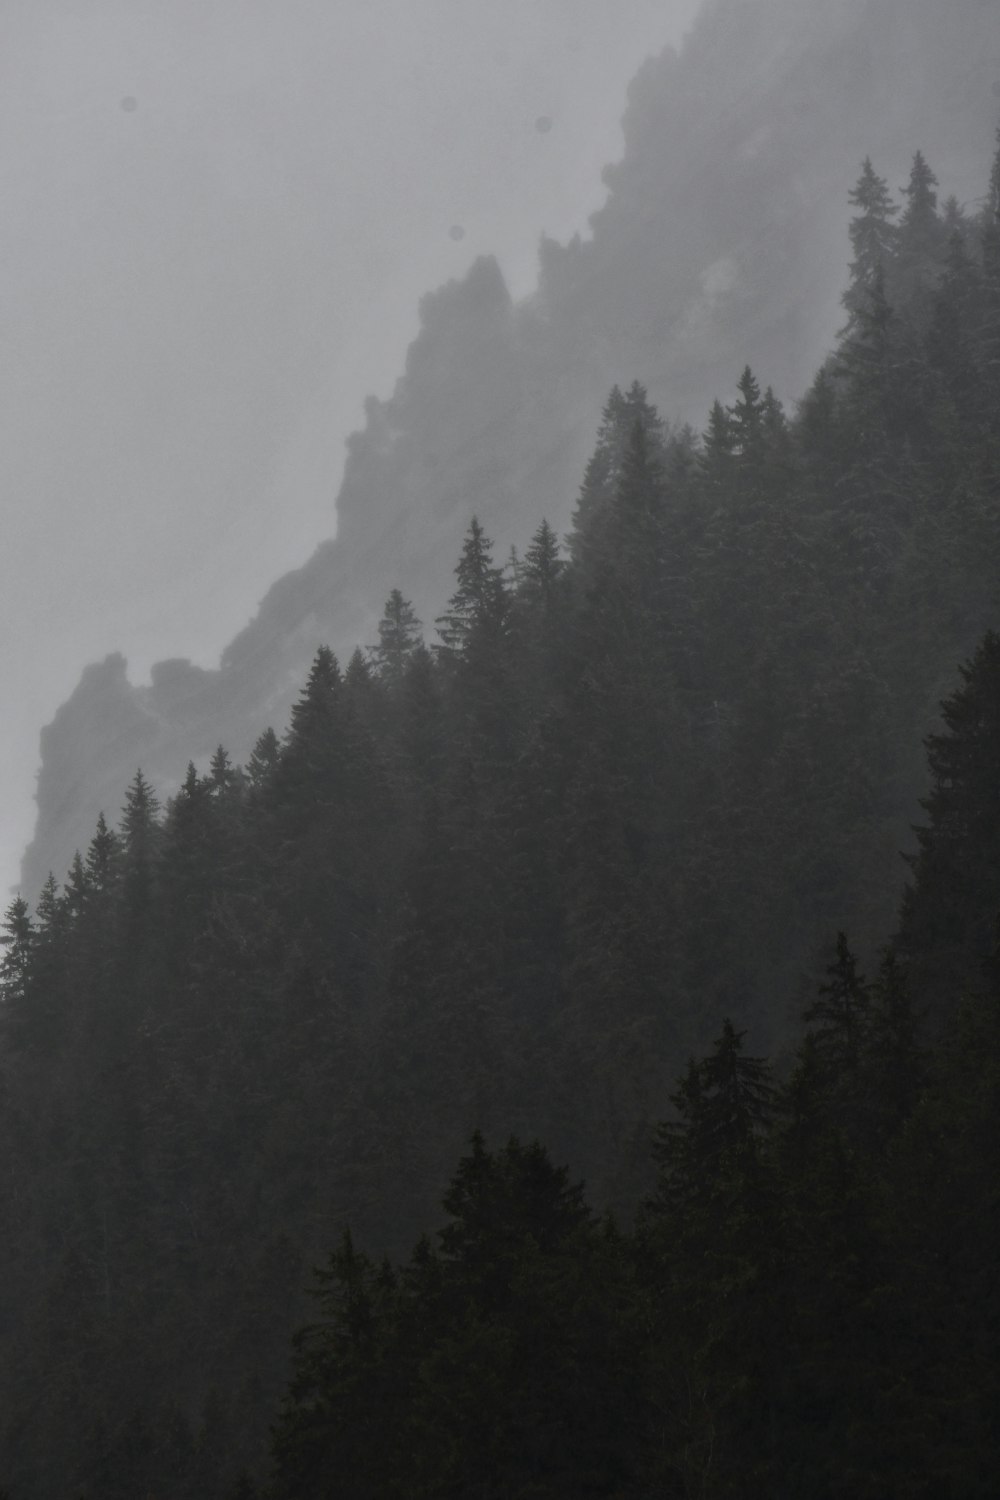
[722, 241]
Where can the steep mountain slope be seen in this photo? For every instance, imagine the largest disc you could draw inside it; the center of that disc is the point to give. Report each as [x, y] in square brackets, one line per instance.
[721, 242]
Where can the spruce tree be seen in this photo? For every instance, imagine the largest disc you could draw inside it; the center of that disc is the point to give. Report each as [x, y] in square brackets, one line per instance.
[103, 861]
[588, 541]
[746, 418]
[18, 936]
[478, 610]
[263, 761]
[717, 463]
[398, 637]
[224, 776]
[874, 237]
[542, 565]
[316, 709]
[949, 908]
[838, 1017]
[724, 1104]
[922, 238]
[140, 841]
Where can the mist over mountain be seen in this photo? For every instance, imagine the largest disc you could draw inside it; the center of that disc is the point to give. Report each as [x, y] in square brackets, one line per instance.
[722, 241]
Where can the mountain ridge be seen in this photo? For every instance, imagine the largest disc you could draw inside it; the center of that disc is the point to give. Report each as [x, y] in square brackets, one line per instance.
[717, 245]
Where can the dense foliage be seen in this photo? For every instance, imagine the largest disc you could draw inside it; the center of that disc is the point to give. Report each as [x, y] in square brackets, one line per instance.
[509, 883]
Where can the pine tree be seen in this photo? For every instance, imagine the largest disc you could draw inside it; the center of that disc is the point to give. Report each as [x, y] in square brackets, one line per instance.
[45, 1025]
[920, 223]
[224, 776]
[263, 762]
[746, 418]
[922, 241]
[51, 909]
[838, 1017]
[724, 1105]
[868, 358]
[139, 818]
[317, 707]
[946, 922]
[542, 566]
[479, 608]
[103, 859]
[189, 861]
[588, 542]
[710, 1238]
[18, 936]
[717, 459]
[340, 1417]
[874, 237]
[77, 887]
[140, 841]
[399, 636]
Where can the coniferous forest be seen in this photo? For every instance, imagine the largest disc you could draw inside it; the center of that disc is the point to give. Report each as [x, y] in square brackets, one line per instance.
[603, 868]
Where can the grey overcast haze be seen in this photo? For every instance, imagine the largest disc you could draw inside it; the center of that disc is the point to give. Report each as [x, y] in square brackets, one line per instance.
[219, 218]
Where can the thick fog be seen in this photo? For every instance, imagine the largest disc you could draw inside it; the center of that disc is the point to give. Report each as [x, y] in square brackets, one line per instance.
[218, 221]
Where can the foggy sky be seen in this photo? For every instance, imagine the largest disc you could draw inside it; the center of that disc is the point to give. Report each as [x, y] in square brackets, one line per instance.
[219, 216]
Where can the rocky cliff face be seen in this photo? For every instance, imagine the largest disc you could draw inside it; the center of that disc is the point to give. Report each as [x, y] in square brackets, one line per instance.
[723, 240]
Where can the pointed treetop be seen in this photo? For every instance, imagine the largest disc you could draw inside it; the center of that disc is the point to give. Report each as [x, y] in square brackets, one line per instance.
[874, 237]
[359, 674]
[399, 635]
[223, 774]
[839, 1015]
[481, 601]
[542, 563]
[324, 674]
[77, 885]
[17, 926]
[193, 787]
[718, 436]
[49, 904]
[920, 188]
[17, 935]
[313, 711]
[139, 816]
[263, 759]
[723, 1103]
[141, 802]
[920, 229]
[103, 857]
[746, 415]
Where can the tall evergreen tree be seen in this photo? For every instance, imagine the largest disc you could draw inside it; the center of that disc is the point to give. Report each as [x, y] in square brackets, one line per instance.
[948, 912]
[103, 859]
[263, 761]
[17, 935]
[838, 1017]
[398, 637]
[723, 1104]
[874, 237]
[922, 239]
[588, 542]
[478, 610]
[140, 841]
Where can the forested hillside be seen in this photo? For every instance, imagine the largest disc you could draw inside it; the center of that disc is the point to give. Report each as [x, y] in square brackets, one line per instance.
[506, 872]
[722, 242]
